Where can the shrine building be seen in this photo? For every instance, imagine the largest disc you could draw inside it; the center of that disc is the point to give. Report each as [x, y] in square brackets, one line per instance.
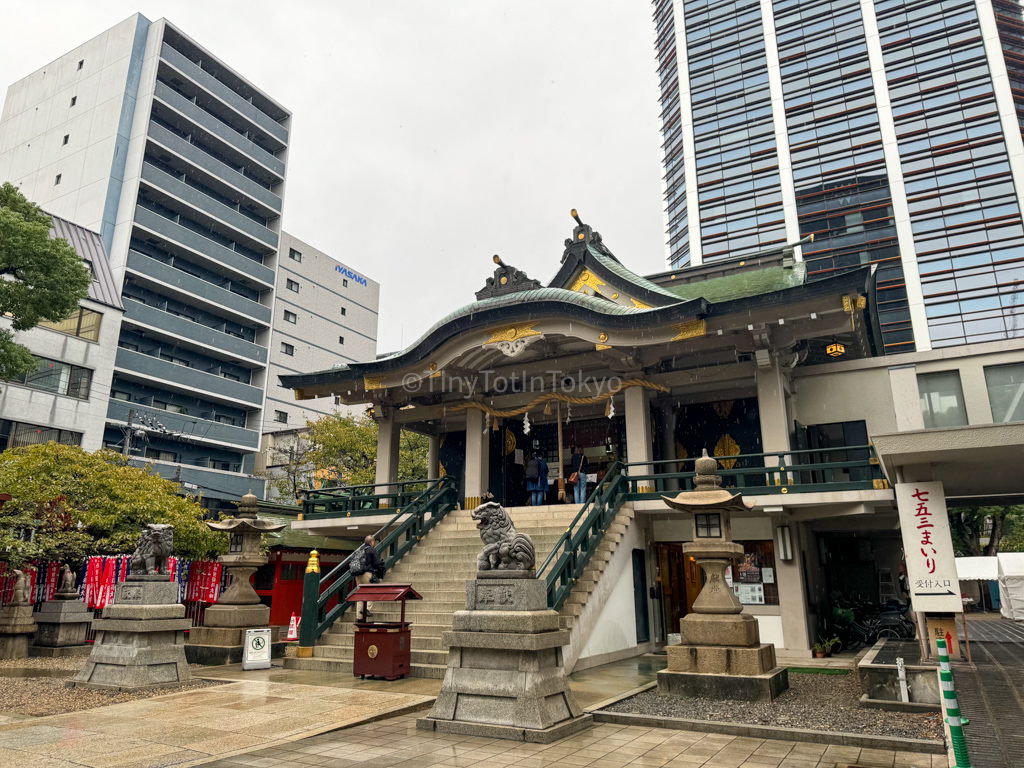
[783, 379]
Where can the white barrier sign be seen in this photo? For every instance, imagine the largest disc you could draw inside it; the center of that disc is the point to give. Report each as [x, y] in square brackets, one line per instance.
[256, 653]
[931, 565]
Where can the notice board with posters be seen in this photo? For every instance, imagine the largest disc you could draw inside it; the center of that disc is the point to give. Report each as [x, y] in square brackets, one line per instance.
[928, 547]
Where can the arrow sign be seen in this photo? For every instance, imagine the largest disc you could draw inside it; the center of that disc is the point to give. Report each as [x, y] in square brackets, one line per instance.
[937, 594]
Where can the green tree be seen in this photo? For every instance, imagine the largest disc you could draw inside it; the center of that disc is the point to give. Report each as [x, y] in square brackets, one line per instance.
[40, 278]
[968, 526]
[289, 468]
[344, 450]
[67, 504]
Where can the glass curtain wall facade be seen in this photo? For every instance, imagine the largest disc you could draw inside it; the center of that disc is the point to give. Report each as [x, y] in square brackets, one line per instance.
[885, 128]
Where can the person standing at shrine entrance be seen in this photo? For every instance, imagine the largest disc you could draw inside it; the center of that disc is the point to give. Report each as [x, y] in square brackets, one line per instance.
[536, 479]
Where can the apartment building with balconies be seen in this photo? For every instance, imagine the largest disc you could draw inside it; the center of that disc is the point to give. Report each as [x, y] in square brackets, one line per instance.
[179, 163]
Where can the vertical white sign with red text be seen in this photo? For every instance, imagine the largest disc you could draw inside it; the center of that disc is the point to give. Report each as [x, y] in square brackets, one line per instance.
[931, 565]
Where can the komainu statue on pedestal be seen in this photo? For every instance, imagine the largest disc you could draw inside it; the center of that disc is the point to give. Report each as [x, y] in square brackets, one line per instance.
[156, 542]
[505, 549]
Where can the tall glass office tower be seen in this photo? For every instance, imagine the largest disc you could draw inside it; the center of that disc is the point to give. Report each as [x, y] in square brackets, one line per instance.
[891, 130]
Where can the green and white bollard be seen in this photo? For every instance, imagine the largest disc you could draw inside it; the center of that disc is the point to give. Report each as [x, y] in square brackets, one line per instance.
[952, 707]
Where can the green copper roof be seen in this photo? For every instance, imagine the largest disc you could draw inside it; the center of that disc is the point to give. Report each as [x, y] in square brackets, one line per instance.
[595, 303]
[741, 285]
[613, 265]
[291, 538]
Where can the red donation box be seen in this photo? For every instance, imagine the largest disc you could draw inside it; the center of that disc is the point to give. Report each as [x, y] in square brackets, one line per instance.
[382, 648]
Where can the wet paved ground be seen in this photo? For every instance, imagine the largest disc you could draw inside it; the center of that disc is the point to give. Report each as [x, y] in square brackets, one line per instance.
[397, 744]
[191, 727]
[991, 696]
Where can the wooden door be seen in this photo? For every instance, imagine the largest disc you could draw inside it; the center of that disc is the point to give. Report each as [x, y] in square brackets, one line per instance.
[669, 558]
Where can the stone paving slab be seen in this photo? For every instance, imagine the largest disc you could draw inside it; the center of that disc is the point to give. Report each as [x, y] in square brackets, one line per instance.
[397, 742]
[183, 729]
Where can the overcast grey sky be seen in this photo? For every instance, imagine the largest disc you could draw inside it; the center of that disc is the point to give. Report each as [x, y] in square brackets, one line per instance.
[429, 134]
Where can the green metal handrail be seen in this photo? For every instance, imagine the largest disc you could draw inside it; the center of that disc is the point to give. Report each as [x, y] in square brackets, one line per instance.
[411, 524]
[799, 471]
[783, 472]
[360, 500]
[569, 557]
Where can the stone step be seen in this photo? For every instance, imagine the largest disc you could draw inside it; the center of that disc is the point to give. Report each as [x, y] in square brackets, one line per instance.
[418, 630]
[344, 653]
[345, 640]
[421, 618]
[339, 666]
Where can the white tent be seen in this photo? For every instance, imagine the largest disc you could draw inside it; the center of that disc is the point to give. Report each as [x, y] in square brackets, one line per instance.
[977, 568]
[1011, 584]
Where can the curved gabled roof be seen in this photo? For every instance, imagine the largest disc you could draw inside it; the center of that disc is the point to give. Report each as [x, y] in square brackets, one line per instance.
[515, 307]
[593, 255]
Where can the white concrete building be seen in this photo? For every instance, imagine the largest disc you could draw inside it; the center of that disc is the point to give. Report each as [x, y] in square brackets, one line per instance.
[179, 163]
[65, 399]
[325, 315]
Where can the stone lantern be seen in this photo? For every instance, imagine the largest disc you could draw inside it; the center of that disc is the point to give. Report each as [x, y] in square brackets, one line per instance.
[720, 654]
[222, 636]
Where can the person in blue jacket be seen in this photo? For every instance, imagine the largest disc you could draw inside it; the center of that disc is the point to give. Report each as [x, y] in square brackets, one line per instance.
[536, 479]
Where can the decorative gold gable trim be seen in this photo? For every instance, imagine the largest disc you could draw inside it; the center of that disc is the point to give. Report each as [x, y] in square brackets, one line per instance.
[513, 332]
[587, 279]
[691, 330]
[640, 304]
[373, 382]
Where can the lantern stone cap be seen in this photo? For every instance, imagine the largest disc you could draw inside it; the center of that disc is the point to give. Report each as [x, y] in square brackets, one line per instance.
[245, 520]
[708, 494]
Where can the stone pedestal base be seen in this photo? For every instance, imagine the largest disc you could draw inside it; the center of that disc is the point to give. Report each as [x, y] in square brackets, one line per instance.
[60, 625]
[140, 645]
[718, 629]
[504, 677]
[763, 687]
[223, 645]
[721, 660]
[16, 630]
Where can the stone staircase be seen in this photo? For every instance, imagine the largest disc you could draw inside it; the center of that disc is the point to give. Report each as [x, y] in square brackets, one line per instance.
[439, 566]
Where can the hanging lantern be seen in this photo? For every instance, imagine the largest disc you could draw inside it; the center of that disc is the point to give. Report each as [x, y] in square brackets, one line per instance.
[526, 423]
[835, 349]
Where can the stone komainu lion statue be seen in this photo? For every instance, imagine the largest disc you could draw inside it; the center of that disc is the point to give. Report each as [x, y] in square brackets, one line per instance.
[155, 545]
[505, 549]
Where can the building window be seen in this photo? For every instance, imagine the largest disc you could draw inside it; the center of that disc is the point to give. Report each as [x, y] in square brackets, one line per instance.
[708, 526]
[74, 99]
[126, 396]
[344, 311]
[288, 349]
[58, 378]
[81, 63]
[231, 420]
[222, 465]
[344, 283]
[291, 285]
[126, 345]
[942, 400]
[176, 360]
[157, 455]
[84, 324]
[290, 572]
[290, 317]
[294, 255]
[341, 339]
[170, 407]
[56, 180]
[281, 417]
[15, 434]
[66, 137]
[1005, 385]
[230, 376]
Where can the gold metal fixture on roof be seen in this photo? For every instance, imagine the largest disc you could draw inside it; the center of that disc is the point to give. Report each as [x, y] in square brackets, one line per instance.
[513, 332]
